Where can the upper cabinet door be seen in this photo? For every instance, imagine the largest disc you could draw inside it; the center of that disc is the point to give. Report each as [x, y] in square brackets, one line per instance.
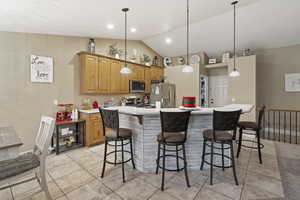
[115, 76]
[104, 75]
[124, 81]
[89, 74]
[147, 75]
[140, 73]
[157, 73]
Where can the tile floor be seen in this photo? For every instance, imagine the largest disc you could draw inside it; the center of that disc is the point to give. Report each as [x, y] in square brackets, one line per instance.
[75, 175]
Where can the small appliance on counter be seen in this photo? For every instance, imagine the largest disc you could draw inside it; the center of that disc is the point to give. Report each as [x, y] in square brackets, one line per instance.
[133, 101]
[189, 103]
[64, 112]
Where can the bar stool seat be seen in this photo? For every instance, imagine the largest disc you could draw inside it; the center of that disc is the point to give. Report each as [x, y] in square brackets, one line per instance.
[224, 136]
[248, 125]
[123, 133]
[177, 137]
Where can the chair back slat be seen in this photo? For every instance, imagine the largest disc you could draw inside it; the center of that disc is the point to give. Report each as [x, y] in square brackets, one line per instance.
[110, 119]
[45, 133]
[172, 122]
[226, 120]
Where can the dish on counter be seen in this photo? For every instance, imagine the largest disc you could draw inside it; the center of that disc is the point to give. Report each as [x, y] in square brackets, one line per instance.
[189, 108]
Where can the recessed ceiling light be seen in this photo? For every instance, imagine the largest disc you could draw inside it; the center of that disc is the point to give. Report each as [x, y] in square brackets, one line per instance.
[133, 30]
[168, 40]
[110, 26]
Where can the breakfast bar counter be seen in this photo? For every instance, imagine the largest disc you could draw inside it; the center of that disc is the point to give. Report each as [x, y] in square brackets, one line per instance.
[145, 125]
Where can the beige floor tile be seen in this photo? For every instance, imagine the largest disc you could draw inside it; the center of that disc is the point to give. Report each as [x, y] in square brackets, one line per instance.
[74, 180]
[112, 196]
[195, 177]
[228, 189]
[207, 194]
[57, 160]
[155, 179]
[28, 191]
[137, 189]
[6, 194]
[113, 177]
[64, 170]
[159, 195]
[83, 193]
[100, 188]
[97, 149]
[259, 186]
[62, 198]
[79, 153]
[178, 188]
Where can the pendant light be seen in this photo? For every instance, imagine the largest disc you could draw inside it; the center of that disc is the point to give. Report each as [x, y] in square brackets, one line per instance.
[187, 67]
[235, 72]
[125, 69]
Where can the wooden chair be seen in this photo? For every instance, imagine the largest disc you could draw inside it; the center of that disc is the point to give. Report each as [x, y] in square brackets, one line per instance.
[13, 170]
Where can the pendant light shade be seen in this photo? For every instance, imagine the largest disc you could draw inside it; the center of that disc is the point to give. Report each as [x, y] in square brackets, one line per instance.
[187, 68]
[235, 72]
[125, 69]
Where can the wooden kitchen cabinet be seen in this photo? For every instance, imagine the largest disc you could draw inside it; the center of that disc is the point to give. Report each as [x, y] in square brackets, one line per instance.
[101, 75]
[94, 130]
[104, 66]
[156, 73]
[147, 79]
[89, 74]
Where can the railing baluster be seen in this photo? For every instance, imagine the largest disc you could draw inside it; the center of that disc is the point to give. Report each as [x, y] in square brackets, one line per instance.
[290, 127]
[268, 124]
[296, 127]
[279, 126]
[284, 125]
[274, 117]
[264, 125]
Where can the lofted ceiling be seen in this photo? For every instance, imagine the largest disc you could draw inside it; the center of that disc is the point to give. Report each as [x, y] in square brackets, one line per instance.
[261, 23]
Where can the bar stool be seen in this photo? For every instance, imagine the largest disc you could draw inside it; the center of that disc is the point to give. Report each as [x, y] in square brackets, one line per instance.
[251, 126]
[223, 122]
[112, 132]
[174, 127]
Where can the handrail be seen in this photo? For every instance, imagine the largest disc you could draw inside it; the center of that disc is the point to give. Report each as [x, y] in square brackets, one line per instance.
[279, 109]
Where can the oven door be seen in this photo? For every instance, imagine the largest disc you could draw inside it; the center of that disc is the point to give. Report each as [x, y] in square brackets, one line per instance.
[137, 86]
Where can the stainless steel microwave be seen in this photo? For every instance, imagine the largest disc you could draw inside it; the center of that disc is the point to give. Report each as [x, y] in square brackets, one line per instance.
[136, 86]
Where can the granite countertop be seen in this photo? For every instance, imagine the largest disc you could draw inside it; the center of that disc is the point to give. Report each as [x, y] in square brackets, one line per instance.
[153, 111]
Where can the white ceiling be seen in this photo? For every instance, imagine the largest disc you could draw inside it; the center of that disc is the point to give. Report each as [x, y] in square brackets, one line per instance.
[261, 23]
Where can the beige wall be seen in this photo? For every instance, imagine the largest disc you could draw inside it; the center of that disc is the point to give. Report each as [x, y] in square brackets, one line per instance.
[21, 102]
[272, 64]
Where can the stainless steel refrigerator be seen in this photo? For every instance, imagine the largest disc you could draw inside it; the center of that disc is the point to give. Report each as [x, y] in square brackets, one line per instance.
[165, 93]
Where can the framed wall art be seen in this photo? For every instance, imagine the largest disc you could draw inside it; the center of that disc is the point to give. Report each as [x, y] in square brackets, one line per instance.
[41, 69]
[292, 82]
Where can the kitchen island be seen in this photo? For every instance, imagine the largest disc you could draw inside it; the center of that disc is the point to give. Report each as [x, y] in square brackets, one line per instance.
[145, 125]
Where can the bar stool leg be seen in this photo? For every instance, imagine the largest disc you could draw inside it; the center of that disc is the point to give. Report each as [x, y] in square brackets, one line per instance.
[177, 162]
[203, 154]
[131, 152]
[211, 161]
[233, 164]
[123, 171]
[104, 160]
[240, 143]
[185, 166]
[163, 168]
[116, 152]
[158, 158]
[222, 146]
[258, 146]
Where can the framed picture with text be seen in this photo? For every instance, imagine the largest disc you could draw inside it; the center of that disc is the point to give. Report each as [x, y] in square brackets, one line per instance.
[41, 69]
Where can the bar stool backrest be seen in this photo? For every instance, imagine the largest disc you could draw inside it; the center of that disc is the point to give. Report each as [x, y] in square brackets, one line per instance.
[225, 120]
[110, 119]
[174, 122]
[260, 116]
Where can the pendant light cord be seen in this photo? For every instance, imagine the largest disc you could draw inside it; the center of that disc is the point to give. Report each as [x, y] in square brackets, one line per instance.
[125, 38]
[187, 32]
[234, 34]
